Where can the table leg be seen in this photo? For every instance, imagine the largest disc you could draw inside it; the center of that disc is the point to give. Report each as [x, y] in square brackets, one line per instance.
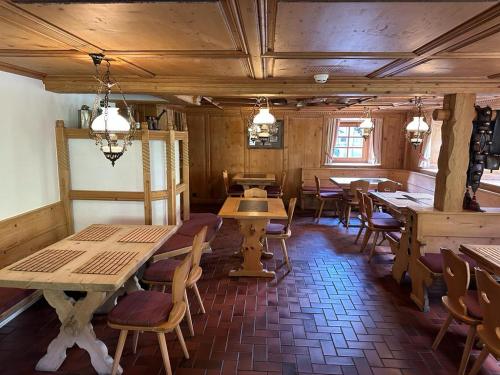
[252, 230]
[76, 328]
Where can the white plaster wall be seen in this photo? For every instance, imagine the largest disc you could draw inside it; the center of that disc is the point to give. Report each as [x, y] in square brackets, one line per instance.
[92, 212]
[28, 167]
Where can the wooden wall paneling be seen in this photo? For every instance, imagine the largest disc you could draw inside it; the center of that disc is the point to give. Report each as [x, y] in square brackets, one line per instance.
[393, 141]
[64, 173]
[227, 146]
[24, 234]
[198, 156]
[146, 175]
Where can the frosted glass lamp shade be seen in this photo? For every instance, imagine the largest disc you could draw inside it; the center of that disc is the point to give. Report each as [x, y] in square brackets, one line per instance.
[417, 125]
[264, 117]
[366, 127]
[115, 123]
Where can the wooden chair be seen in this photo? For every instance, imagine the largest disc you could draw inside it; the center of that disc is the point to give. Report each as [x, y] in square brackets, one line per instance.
[362, 215]
[282, 232]
[489, 330]
[276, 191]
[462, 304]
[323, 197]
[350, 200]
[389, 186]
[161, 274]
[377, 226]
[255, 193]
[231, 190]
[151, 311]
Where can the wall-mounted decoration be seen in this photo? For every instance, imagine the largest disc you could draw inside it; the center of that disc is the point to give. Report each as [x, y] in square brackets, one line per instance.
[273, 140]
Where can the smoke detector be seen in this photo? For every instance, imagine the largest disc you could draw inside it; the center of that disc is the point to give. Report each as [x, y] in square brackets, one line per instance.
[321, 78]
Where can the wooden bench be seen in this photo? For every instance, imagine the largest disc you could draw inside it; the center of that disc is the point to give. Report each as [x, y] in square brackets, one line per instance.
[21, 236]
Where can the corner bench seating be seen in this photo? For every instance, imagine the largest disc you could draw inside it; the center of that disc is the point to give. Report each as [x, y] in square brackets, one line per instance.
[181, 242]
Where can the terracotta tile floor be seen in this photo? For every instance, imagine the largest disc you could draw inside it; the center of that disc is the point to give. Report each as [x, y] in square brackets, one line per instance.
[334, 314]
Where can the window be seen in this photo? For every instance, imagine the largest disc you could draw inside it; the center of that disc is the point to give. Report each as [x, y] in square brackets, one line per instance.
[348, 143]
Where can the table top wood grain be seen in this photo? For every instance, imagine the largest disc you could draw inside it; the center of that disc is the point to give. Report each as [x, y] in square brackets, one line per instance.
[401, 200]
[345, 182]
[275, 209]
[42, 270]
[486, 255]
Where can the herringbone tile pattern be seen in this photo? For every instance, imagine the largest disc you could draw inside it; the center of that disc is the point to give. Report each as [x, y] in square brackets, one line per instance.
[334, 314]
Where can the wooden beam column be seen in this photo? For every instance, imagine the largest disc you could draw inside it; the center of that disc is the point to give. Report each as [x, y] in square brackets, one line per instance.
[146, 175]
[170, 178]
[64, 174]
[458, 110]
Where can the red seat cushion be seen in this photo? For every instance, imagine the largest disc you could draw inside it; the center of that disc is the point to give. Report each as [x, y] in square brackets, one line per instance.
[161, 271]
[273, 189]
[389, 224]
[396, 236]
[330, 194]
[434, 261]
[312, 189]
[236, 189]
[382, 215]
[275, 228]
[471, 301]
[142, 308]
[197, 221]
[177, 241]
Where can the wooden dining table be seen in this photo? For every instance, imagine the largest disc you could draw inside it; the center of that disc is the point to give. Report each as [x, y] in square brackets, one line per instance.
[345, 182]
[260, 180]
[101, 260]
[253, 215]
[487, 256]
[400, 201]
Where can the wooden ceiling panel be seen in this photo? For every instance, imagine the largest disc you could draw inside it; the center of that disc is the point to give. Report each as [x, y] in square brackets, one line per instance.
[489, 44]
[63, 66]
[455, 68]
[284, 68]
[144, 26]
[376, 26]
[183, 66]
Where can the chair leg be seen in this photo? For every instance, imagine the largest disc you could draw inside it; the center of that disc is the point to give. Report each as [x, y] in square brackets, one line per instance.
[198, 296]
[442, 332]
[382, 239]
[366, 238]
[348, 216]
[119, 351]
[317, 210]
[471, 335]
[372, 251]
[321, 209]
[164, 352]
[479, 361]
[188, 314]
[181, 341]
[135, 341]
[285, 254]
[361, 227]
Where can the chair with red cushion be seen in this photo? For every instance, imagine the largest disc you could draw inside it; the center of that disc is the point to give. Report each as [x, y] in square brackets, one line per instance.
[350, 198]
[231, 190]
[276, 191]
[161, 273]
[362, 215]
[282, 232]
[462, 304]
[150, 311]
[323, 197]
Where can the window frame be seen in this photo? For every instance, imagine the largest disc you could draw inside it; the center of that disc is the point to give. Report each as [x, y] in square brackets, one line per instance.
[350, 123]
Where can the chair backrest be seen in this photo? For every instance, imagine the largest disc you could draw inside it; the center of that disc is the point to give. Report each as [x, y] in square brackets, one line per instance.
[255, 193]
[318, 185]
[197, 247]
[283, 181]
[181, 274]
[389, 186]
[457, 277]
[354, 186]
[291, 209]
[367, 206]
[225, 178]
[489, 300]
[361, 203]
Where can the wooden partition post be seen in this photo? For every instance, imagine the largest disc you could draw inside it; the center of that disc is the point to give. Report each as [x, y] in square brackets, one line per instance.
[454, 154]
[146, 174]
[64, 174]
[170, 178]
[185, 178]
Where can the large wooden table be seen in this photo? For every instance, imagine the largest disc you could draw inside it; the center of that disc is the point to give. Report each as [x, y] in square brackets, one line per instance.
[488, 256]
[345, 182]
[253, 215]
[260, 180]
[400, 201]
[100, 260]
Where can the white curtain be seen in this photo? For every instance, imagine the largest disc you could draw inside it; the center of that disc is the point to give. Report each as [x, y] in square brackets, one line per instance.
[426, 147]
[375, 148]
[331, 131]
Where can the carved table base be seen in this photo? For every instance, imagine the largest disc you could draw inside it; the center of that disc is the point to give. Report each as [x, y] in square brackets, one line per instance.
[252, 230]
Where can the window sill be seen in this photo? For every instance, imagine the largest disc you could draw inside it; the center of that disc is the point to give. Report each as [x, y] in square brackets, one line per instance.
[351, 165]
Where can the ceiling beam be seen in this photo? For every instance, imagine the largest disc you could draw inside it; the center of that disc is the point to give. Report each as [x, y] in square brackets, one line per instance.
[277, 87]
[5, 67]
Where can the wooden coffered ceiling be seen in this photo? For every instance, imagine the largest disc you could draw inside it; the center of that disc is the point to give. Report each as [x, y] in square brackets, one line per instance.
[248, 48]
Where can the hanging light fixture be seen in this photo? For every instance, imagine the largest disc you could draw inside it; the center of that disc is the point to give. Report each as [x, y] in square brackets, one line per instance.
[417, 128]
[262, 124]
[367, 124]
[111, 131]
